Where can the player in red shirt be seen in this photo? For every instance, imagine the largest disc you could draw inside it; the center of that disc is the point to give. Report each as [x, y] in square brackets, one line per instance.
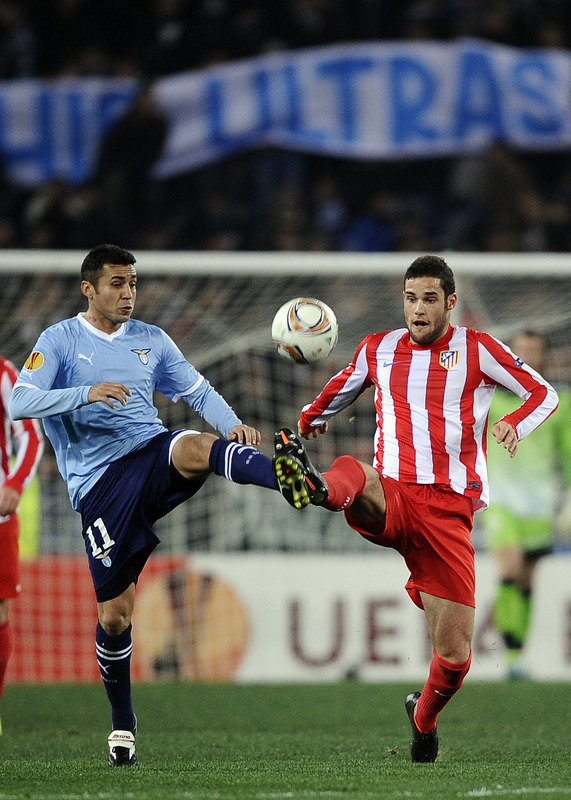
[433, 385]
[23, 440]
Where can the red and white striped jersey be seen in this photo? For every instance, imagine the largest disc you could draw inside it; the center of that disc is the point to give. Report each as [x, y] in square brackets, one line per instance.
[432, 404]
[22, 437]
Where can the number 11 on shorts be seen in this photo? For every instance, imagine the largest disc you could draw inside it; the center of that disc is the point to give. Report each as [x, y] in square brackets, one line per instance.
[102, 549]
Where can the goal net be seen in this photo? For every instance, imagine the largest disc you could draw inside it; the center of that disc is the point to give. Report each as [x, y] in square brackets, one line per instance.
[218, 307]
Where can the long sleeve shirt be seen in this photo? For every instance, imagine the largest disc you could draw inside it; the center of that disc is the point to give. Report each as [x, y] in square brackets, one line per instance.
[72, 356]
[432, 404]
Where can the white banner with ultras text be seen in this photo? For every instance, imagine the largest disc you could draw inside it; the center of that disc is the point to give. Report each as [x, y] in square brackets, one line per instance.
[378, 100]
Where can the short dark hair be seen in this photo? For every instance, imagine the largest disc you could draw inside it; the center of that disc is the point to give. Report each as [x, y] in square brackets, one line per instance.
[432, 267]
[96, 259]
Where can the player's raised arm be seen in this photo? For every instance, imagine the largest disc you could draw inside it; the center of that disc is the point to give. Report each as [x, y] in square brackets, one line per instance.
[314, 432]
[337, 394]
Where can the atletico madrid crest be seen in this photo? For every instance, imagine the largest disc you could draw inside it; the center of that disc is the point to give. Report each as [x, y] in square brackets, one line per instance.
[449, 358]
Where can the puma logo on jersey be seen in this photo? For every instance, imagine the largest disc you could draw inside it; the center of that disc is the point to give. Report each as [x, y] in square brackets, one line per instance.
[86, 358]
[143, 357]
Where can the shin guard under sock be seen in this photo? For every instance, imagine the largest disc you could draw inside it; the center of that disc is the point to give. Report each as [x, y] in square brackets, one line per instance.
[444, 680]
[241, 463]
[346, 481]
[114, 659]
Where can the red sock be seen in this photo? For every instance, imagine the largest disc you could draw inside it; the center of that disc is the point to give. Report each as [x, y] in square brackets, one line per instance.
[346, 481]
[6, 644]
[444, 680]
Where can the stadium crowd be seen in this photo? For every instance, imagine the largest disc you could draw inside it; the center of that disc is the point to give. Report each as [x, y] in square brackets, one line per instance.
[502, 200]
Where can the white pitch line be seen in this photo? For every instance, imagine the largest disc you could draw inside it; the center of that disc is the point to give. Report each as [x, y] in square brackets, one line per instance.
[500, 791]
[201, 795]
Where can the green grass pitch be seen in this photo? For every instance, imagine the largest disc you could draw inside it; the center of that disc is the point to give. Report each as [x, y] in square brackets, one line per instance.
[298, 742]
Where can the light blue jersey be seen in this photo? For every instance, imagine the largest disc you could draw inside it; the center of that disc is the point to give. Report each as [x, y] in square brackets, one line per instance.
[71, 357]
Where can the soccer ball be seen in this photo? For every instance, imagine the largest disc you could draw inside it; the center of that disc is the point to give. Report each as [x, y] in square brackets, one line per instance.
[304, 330]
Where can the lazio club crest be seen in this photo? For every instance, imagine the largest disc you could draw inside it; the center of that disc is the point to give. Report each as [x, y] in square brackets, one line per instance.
[143, 355]
[449, 358]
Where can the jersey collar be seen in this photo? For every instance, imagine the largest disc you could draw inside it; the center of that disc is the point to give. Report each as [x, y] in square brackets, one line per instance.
[109, 337]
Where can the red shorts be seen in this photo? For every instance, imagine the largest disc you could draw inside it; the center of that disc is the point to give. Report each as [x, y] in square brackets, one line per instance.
[431, 527]
[9, 558]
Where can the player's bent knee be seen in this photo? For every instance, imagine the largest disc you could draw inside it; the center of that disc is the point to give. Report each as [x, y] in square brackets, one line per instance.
[191, 453]
[456, 654]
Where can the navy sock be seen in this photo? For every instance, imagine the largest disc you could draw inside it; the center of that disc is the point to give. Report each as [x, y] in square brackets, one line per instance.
[114, 659]
[241, 463]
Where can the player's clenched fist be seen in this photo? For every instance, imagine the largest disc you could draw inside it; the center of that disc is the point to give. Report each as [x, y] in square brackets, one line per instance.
[107, 392]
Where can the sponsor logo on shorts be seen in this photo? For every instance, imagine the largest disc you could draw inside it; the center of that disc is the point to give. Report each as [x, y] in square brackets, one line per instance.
[34, 361]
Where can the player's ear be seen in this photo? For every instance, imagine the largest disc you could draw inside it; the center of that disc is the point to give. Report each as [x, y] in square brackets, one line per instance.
[452, 300]
[87, 289]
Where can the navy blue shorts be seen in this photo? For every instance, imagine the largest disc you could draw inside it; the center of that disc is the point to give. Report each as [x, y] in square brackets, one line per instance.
[118, 513]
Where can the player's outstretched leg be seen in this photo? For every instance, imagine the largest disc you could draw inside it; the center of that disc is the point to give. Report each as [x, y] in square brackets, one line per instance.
[298, 480]
[424, 746]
